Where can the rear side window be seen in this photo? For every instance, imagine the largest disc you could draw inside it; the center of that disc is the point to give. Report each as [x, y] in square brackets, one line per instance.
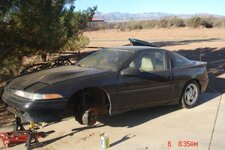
[149, 61]
[180, 61]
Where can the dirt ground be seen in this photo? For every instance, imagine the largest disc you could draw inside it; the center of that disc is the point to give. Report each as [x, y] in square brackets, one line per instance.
[107, 38]
[158, 34]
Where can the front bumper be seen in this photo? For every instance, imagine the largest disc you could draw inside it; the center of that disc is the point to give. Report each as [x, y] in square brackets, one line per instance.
[37, 111]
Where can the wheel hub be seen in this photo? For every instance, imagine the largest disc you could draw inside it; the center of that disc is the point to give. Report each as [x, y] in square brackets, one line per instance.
[90, 117]
[191, 94]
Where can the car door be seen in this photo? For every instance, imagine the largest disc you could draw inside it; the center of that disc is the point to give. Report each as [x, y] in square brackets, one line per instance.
[151, 85]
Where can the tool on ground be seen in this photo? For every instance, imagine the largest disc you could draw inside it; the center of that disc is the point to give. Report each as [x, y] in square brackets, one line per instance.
[21, 135]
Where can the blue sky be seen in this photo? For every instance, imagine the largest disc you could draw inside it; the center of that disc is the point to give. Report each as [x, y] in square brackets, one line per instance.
[167, 6]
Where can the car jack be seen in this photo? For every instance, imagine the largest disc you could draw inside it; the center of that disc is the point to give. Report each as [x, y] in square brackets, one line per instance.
[21, 135]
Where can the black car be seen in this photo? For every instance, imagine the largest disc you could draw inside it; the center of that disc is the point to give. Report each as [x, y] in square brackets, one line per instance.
[109, 81]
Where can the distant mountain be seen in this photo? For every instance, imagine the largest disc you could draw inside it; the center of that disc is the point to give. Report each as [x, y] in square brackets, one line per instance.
[118, 16]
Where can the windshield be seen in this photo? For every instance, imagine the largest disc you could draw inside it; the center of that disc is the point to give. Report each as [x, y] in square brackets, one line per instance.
[106, 59]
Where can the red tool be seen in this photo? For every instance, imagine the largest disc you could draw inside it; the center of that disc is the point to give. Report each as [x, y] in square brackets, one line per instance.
[17, 137]
[21, 136]
[9, 138]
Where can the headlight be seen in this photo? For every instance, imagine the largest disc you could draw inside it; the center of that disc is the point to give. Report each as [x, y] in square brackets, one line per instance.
[36, 96]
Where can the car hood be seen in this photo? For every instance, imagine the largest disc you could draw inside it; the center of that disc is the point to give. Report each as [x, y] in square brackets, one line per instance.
[52, 76]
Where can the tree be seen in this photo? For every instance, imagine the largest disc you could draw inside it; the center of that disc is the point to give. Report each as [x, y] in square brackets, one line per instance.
[37, 27]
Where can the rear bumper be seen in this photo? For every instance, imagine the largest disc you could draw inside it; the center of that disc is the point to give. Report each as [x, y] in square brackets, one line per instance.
[204, 85]
[39, 110]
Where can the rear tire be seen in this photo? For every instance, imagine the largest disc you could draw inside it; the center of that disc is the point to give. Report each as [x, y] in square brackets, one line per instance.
[190, 95]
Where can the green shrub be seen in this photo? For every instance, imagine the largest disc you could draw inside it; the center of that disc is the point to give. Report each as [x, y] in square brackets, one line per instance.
[38, 27]
[76, 44]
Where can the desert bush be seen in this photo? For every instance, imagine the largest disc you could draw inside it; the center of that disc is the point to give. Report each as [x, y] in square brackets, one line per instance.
[116, 26]
[122, 28]
[196, 22]
[215, 21]
[219, 23]
[223, 23]
[129, 26]
[163, 23]
[149, 24]
[135, 26]
[176, 22]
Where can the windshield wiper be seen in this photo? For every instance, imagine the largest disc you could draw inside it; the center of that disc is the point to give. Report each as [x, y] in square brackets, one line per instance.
[79, 65]
[102, 68]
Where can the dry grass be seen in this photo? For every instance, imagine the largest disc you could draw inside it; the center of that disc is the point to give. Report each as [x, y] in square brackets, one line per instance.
[108, 38]
[157, 34]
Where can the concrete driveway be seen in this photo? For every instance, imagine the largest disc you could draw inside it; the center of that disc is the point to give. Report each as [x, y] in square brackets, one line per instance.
[166, 127]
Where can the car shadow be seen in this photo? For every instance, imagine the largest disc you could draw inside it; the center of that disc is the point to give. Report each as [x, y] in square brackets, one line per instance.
[183, 42]
[124, 138]
[134, 118]
[162, 43]
[74, 131]
[216, 64]
[129, 119]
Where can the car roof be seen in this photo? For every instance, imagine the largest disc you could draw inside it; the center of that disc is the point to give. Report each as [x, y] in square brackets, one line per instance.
[134, 48]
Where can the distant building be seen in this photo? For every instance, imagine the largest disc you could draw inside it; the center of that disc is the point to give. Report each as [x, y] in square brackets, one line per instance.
[97, 20]
[97, 23]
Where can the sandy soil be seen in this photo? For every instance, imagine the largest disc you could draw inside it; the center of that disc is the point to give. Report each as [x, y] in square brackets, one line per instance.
[197, 37]
[157, 34]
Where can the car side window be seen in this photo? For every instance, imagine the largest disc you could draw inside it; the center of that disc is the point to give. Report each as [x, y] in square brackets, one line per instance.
[180, 61]
[153, 60]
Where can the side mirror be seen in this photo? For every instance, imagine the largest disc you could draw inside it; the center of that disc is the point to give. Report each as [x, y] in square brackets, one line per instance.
[130, 72]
